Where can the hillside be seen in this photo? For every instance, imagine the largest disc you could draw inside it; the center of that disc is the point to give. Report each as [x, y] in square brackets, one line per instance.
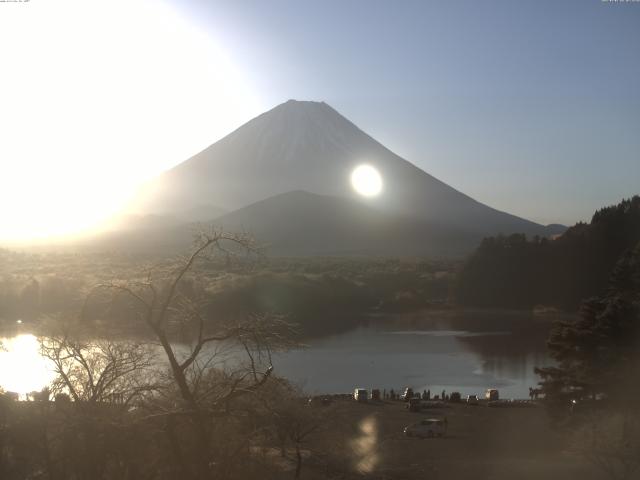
[305, 224]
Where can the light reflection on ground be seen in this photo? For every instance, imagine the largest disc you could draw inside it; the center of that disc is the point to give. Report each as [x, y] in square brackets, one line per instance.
[365, 445]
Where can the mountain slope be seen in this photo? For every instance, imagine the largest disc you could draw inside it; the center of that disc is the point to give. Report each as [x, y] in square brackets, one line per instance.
[304, 224]
[300, 223]
[309, 146]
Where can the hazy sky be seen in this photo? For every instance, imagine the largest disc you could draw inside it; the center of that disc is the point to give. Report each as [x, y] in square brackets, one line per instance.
[530, 107]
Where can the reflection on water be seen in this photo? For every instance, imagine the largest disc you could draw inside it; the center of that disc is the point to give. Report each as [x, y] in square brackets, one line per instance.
[448, 333]
[466, 354]
[22, 369]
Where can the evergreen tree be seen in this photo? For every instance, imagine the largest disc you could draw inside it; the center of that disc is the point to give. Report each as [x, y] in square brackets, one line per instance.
[598, 353]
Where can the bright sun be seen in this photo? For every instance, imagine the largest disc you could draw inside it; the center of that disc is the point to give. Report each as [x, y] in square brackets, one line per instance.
[366, 180]
[98, 96]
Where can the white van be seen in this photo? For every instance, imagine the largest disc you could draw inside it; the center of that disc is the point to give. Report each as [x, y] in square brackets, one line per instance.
[360, 395]
[492, 395]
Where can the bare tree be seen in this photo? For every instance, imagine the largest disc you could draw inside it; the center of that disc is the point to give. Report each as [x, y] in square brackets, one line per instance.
[99, 370]
[302, 423]
[292, 418]
[205, 387]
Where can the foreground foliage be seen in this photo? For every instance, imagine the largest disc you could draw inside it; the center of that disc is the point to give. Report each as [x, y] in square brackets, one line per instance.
[598, 353]
[118, 414]
[595, 379]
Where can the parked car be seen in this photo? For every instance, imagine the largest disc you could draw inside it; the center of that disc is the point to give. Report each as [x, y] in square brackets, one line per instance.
[492, 395]
[472, 400]
[428, 428]
[361, 395]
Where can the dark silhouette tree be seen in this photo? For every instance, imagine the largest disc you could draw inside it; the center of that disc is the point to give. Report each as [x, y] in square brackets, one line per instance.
[205, 393]
[597, 352]
[511, 271]
[99, 370]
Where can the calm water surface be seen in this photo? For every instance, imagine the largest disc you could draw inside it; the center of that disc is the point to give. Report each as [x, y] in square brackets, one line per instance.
[464, 351]
[453, 351]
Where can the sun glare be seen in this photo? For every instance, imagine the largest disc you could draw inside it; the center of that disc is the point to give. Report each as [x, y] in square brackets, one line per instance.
[99, 96]
[22, 369]
[366, 180]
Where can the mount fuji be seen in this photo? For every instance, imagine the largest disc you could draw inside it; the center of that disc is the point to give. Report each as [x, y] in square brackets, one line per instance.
[290, 167]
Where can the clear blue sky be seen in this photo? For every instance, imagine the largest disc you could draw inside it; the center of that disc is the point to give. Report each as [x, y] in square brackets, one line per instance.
[530, 107]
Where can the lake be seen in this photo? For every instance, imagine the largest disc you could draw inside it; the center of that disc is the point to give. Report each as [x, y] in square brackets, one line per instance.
[465, 351]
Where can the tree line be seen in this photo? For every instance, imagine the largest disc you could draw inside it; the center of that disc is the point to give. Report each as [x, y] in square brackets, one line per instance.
[322, 295]
[516, 272]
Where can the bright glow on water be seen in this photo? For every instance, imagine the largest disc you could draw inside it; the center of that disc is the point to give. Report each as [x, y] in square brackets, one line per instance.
[453, 358]
[22, 369]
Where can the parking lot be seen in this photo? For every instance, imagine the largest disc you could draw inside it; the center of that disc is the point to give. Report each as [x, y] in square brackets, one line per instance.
[480, 442]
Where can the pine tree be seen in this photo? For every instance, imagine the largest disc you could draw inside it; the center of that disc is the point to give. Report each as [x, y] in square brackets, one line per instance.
[598, 353]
